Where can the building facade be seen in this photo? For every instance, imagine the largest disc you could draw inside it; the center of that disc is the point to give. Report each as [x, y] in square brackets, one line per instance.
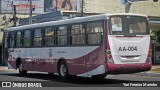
[149, 7]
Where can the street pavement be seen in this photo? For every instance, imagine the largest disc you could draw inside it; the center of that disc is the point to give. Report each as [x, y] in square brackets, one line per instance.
[111, 82]
[155, 71]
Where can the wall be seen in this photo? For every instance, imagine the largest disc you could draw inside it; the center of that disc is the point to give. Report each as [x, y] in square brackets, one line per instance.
[114, 6]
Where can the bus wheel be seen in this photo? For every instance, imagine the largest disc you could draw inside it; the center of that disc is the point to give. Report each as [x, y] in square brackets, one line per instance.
[63, 70]
[21, 69]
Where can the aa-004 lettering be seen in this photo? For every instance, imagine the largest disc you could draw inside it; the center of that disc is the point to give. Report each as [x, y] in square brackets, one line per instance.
[130, 48]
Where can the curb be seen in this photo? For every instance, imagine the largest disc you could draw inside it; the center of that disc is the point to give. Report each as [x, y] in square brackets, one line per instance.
[6, 69]
[152, 74]
[3, 68]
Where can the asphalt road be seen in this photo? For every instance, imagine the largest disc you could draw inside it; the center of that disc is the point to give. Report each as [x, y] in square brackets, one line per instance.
[115, 81]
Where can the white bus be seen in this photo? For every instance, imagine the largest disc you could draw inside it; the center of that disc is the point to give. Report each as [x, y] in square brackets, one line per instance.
[86, 46]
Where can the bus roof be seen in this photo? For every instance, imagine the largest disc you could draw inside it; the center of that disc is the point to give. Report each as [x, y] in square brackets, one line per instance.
[69, 21]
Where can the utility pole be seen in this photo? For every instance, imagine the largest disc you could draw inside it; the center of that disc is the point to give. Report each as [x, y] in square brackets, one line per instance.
[30, 12]
[14, 16]
[82, 13]
[127, 7]
[0, 5]
[56, 5]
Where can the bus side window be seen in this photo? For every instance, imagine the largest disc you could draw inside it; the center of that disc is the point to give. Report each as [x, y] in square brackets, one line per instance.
[27, 38]
[62, 35]
[94, 33]
[18, 39]
[49, 36]
[37, 37]
[12, 39]
[77, 34]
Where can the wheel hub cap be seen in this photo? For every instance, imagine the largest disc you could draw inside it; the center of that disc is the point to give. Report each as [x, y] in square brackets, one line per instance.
[62, 70]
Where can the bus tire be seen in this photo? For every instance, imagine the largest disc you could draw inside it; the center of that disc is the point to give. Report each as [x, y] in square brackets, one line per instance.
[21, 69]
[63, 70]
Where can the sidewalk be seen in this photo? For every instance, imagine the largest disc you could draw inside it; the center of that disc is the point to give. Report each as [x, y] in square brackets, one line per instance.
[155, 69]
[154, 72]
[3, 67]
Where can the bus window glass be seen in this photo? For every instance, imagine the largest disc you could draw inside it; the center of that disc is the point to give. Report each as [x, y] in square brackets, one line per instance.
[26, 38]
[116, 24]
[18, 39]
[12, 39]
[139, 27]
[95, 33]
[129, 25]
[37, 37]
[49, 36]
[77, 34]
[99, 27]
[62, 30]
[62, 35]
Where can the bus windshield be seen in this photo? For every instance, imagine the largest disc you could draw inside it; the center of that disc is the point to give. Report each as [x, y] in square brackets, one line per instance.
[128, 25]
